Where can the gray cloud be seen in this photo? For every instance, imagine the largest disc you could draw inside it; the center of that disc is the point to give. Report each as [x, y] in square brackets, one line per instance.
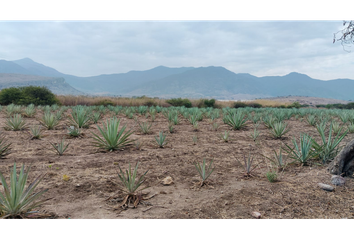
[258, 47]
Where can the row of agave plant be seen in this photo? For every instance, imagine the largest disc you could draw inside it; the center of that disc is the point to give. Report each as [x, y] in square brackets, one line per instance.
[16, 201]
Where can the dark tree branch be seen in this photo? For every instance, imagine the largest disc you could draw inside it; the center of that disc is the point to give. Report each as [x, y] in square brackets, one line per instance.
[346, 35]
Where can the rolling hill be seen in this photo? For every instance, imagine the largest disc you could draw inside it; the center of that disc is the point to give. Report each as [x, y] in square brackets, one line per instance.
[202, 82]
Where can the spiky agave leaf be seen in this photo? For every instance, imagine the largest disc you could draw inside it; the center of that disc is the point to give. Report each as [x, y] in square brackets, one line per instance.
[16, 201]
[112, 138]
[161, 140]
[203, 172]
[15, 123]
[129, 181]
[4, 146]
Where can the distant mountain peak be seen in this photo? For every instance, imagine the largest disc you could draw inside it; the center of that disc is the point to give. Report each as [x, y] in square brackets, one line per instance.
[26, 59]
[296, 74]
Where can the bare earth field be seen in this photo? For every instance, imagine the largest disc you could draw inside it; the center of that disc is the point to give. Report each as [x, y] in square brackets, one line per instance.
[93, 174]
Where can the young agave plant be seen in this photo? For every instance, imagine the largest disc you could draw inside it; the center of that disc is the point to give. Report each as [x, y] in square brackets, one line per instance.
[145, 127]
[278, 160]
[81, 117]
[96, 116]
[195, 126]
[74, 131]
[328, 149]
[237, 120]
[225, 136]
[36, 132]
[4, 147]
[131, 184]
[248, 165]
[351, 127]
[112, 138]
[15, 123]
[254, 135]
[16, 201]
[49, 120]
[311, 120]
[60, 147]
[204, 172]
[303, 152]
[171, 128]
[195, 139]
[215, 126]
[30, 111]
[161, 140]
[278, 129]
[336, 127]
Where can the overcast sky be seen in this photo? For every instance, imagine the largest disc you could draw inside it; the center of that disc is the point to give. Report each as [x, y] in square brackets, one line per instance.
[261, 48]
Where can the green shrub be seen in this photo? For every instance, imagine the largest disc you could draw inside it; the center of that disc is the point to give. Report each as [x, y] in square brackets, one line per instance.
[104, 102]
[28, 95]
[255, 105]
[179, 102]
[209, 103]
[10, 95]
[150, 103]
[239, 104]
[295, 105]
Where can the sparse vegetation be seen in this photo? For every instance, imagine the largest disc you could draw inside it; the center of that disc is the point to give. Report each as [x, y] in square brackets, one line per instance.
[315, 147]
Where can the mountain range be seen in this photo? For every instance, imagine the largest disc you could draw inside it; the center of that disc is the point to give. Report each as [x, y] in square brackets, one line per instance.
[202, 82]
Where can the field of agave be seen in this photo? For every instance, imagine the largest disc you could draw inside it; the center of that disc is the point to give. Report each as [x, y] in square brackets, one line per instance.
[171, 162]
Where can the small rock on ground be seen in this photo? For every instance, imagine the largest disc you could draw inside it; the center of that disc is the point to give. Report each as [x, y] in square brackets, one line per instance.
[338, 180]
[256, 214]
[326, 187]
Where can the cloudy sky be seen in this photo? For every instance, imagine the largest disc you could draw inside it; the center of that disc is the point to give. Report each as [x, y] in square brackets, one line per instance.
[261, 48]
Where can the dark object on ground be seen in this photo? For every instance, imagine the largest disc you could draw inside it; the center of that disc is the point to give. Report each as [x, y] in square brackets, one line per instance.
[343, 163]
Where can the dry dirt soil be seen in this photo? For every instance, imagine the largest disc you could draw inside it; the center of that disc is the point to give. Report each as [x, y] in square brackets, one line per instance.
[93, 174]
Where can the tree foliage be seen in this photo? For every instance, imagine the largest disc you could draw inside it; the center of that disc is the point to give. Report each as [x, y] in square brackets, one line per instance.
[27, 95]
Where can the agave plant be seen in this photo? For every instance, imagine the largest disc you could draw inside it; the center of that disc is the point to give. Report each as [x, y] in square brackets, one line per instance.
[336, 127]
[74, 131]
[254, 135]
[60, 147]
[171, 128]
[161, 140]
[215, 126]
[36, 132]
[16, 201]
[96, 116]
[248, 165]
[311, 120]
[237, 120]
[145, 127]
[328, 149]
[49, 120]
[30, 111]
[278, 129]
[303, 152]
[4, 147]
[15, 123]
[278, 160]
[204, 172]
[112, 138]
[225, 136]
[81, 117]
[131, 185]
[351, 127]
